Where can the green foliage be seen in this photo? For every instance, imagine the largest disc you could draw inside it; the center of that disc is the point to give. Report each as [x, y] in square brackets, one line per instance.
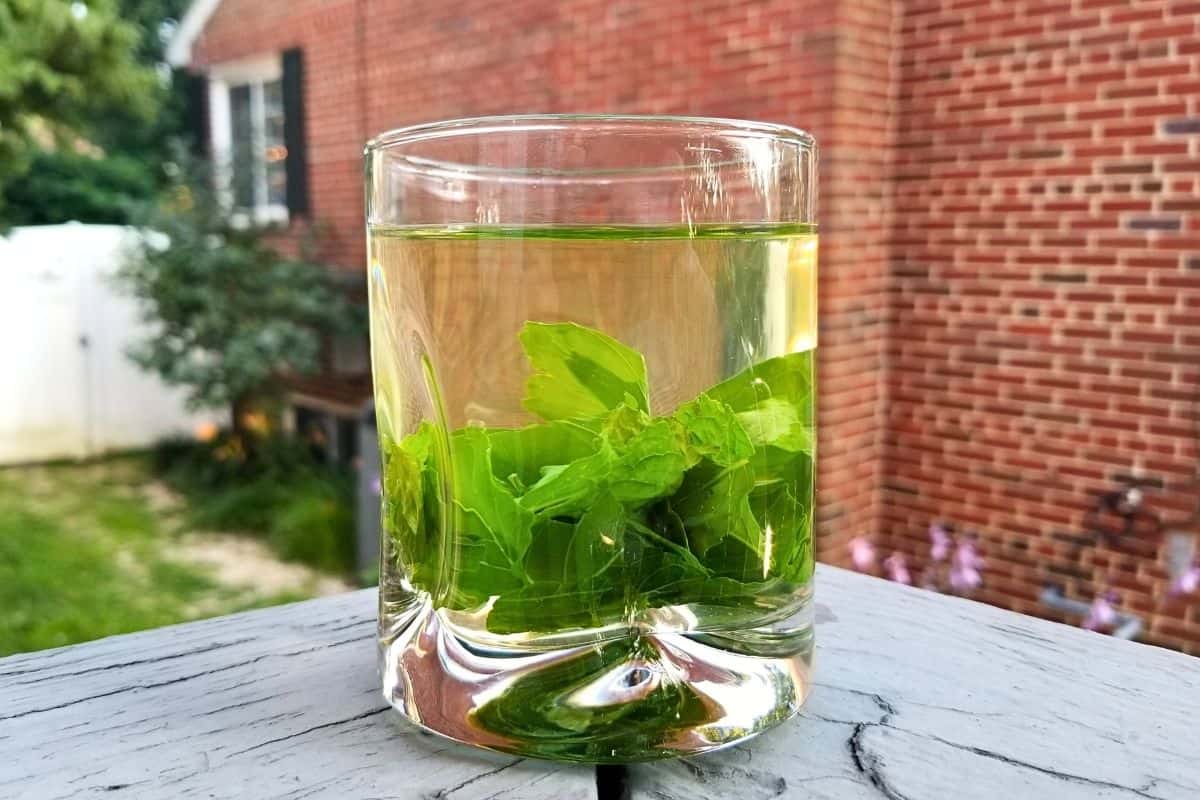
[58, 70]
[711, 504]
[302, 507]
[231, 315]
[63, 185]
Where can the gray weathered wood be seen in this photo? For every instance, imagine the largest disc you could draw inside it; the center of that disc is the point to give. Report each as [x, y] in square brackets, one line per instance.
[916, 696]
[923, 696]
[282, 703]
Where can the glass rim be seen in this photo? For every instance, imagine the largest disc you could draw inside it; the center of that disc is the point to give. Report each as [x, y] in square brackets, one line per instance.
[533, 123]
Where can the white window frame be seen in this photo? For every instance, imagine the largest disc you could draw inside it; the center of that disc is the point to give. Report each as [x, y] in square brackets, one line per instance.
[222, 78]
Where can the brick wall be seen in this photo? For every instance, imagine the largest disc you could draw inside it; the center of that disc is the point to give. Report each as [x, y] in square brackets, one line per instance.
[1010, 277]
[1045, 322]
[823, 66]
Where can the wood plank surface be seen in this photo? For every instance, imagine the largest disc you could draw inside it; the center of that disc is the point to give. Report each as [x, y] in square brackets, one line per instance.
[916, 696]
[280, 703]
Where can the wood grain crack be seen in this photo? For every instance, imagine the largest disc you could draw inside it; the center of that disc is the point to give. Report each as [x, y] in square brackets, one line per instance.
[443, 793]
[1142, 791]
[173, 681]
[869, 764]
[314, 728]
[123, 664]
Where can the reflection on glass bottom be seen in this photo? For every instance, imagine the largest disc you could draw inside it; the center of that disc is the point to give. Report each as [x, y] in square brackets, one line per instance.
[641, 696]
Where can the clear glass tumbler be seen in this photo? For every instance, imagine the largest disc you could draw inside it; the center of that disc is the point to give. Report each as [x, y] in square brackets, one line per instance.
[593, 342]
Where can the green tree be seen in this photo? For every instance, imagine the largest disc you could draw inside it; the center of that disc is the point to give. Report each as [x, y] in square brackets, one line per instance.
[231, 316]
[62, 65]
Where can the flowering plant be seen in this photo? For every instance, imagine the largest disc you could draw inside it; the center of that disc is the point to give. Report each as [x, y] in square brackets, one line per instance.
[954, 565]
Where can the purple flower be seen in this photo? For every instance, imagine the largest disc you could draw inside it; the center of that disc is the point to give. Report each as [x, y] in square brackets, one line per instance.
[940, 538]
[965, 566]
[862, 554]
[1103, 613]
[896, 567]
[1186, 583]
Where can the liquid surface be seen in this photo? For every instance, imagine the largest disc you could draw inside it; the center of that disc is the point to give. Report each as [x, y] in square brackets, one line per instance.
[598, 456]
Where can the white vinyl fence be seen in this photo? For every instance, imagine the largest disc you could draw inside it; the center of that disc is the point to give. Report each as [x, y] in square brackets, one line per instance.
[67, 390]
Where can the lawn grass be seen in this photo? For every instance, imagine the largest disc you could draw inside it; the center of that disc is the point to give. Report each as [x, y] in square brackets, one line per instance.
[84, 554]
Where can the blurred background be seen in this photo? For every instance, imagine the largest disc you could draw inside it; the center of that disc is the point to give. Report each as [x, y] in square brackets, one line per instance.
[1009, 291]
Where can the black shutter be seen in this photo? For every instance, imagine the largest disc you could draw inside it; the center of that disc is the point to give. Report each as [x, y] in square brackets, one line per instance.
[195, 111]
[293, 132]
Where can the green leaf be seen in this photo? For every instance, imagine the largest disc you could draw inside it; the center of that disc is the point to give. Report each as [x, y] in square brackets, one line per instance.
[713, 430]
[493, 530]
[776, 423]
[569, 488]
[412, 502]
[649, 465]
[576, 572]
[713, 503]
[546, 559]
[787, 378]
[787, 521]
[580, 373]
[579, 521]
[524, 452]
[624, 422]
[597, 548]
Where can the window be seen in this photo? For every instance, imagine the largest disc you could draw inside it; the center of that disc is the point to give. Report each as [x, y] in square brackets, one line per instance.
[247, 127]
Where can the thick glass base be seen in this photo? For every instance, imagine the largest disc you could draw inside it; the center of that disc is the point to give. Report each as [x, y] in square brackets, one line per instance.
[635, 695]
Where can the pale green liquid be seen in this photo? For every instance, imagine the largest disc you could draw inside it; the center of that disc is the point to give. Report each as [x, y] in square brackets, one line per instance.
[607, 666]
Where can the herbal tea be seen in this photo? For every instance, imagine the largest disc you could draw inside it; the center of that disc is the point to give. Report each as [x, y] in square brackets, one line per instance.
[597, 450]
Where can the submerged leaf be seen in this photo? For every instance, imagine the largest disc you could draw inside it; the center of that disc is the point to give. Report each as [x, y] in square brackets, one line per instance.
[580, 373]
[493, 530]
[712, 429]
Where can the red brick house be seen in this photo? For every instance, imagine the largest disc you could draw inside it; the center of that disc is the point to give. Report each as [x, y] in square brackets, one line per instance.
[1010, 289]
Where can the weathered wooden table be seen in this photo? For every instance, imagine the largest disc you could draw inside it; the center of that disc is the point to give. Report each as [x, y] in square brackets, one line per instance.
[917, 696]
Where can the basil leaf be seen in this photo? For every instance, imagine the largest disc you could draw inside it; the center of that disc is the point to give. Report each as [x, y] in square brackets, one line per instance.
[580, 373]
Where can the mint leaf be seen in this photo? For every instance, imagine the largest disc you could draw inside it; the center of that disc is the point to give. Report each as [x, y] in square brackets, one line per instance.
[624, 422]
[777, 423]
[546, 559]
[713, 430]
[412, 502]
[493, 530]
[713, 503]
[524, 452]
[787, 378]
[580, 373]
[788, 520]
[595, 555]
[650, 464]
[576, 572]
[569, 488]
[577, 521]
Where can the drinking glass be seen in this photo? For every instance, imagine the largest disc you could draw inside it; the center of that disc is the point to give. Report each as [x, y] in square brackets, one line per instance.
[593, 342]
